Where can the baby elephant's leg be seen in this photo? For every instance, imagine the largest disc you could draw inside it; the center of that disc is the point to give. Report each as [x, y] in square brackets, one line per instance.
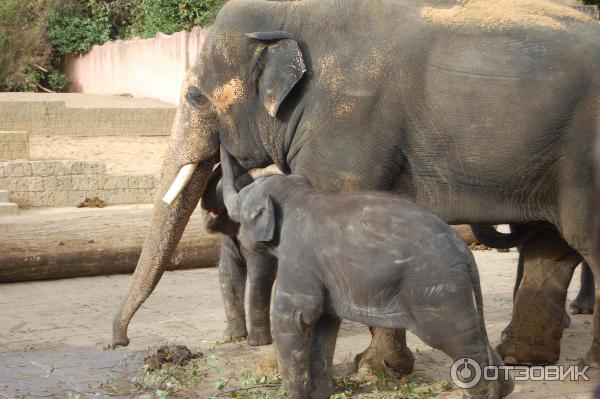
[458, 332]
[262, 268]
[293, 318]
[320, 377]
[232, 279]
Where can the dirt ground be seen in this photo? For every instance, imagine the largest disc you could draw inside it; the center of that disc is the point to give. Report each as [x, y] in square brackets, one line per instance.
[54, 338]
[122, 154]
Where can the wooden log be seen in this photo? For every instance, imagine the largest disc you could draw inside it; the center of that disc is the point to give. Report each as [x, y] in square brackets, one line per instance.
[464, 231]
[63, 243]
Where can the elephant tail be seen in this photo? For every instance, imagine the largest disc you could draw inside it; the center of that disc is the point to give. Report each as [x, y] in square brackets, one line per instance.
[476, 286]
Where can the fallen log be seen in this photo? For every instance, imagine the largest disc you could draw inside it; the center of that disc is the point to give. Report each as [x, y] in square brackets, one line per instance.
[464, 231]
[63, 243]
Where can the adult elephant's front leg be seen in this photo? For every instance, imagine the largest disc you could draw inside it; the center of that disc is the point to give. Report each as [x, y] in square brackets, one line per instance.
[262, 268]
[386, 354]
[232, 280]
[539, 306]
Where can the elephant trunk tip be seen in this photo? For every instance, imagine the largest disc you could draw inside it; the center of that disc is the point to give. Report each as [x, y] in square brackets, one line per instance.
[119, 335]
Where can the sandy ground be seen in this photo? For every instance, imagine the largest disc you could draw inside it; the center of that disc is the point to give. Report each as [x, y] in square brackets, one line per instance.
[122, 154]
[53, 336]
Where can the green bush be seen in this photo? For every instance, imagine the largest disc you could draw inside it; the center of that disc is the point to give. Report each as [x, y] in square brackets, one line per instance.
[35, 35]
[23, 43]
[58, 81]
[169, 16]
[27, 78]
[75, 28]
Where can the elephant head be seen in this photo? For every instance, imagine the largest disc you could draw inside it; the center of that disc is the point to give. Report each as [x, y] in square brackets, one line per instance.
[232, 95]
[253, 208]
[216, 218]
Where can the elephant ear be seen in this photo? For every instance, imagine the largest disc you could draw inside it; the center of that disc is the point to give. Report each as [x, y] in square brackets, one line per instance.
[262, 221]
[283, 68]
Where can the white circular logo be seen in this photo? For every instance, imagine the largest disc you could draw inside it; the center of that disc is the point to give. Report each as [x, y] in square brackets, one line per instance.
[465, 373]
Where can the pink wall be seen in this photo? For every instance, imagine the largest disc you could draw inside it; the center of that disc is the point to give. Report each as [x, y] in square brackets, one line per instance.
[141, 67]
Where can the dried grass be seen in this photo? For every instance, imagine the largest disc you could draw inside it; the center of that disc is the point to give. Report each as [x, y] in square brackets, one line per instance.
[505, 13]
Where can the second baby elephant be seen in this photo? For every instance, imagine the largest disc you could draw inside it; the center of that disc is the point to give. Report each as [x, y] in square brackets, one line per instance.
[237, 264]
[368, 257]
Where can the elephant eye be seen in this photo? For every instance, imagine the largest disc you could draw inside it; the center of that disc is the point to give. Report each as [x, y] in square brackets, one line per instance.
[195, 97]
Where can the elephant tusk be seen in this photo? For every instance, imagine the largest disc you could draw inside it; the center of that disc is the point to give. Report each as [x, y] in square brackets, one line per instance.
[181, 180]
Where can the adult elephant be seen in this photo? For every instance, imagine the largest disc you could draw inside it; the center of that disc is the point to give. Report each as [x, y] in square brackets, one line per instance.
[482, 114]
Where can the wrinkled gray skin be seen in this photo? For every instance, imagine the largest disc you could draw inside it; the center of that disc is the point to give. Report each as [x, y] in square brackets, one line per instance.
[236, 265]
[363, 95]
[367, 257]
[582, 304]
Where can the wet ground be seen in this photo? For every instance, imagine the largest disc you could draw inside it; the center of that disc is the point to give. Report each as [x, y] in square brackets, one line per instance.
[54, 338]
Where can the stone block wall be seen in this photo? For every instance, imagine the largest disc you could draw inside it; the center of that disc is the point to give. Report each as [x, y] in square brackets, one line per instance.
[68, 183]
[14, 145]
[592, 11]
[55, 118]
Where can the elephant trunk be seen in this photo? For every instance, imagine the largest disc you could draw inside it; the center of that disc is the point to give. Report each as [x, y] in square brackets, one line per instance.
[168, 224]
[230, 195]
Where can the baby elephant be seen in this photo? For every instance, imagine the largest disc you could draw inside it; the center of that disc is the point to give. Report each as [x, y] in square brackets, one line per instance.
[368, 257]
[237, 264]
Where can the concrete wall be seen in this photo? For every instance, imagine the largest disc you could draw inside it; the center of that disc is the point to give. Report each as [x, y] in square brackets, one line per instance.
[141, 67]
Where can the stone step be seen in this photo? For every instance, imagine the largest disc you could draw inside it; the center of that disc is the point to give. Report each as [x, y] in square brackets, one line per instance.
[51, 168]
[70, 190]
[84, 115]
[592, 10]
[68, 183]
[8, 209]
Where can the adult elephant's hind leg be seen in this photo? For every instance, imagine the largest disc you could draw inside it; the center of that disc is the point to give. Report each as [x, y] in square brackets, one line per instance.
[539, 307]
[592, 358]
[387, 354]
[584, 303]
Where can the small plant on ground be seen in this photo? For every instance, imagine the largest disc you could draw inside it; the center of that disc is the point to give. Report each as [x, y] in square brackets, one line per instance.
[176, 374]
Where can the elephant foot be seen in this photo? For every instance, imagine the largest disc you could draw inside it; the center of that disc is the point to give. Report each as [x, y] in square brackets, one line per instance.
[235, 331]
[504, 335]
[582, 305]
[268, 366]
[387, 355]
[259, 337]
[295, 389]
[527, 352]
[321, 388]
[592, 360]
[371, 365]
[566, 320]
